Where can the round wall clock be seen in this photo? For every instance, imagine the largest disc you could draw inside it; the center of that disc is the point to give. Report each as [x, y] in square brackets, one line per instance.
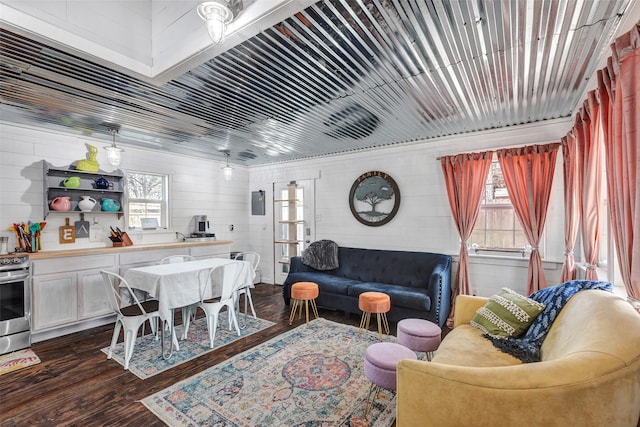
[374, 198]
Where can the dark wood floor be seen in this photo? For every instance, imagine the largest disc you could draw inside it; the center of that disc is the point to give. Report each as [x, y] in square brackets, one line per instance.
[75, 385]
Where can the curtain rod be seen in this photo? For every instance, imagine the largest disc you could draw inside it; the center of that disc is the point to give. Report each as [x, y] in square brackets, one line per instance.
[496, 149]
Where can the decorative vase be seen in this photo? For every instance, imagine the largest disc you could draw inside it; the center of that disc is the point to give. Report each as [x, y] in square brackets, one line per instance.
[110, 205]
[62, 203]
[87, 203]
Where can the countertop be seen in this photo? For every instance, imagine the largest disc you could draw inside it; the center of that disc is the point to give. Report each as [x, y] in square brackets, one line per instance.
[111, 249]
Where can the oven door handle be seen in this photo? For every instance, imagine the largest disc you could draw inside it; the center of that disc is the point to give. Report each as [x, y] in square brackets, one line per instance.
[13, 278]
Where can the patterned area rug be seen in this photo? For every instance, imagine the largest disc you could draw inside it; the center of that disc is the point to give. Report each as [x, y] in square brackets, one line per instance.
[147, 361]
[17, 360]
[310, 376]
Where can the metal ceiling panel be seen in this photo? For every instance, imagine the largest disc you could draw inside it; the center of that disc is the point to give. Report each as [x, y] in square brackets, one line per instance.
[342, 75]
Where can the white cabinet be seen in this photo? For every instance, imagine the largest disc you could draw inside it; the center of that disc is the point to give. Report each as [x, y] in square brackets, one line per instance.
[68, 290]
[92, 295]
[68, 294]
[55, 300]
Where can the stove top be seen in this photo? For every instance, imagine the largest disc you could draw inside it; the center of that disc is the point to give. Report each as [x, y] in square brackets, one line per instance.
[14, 261]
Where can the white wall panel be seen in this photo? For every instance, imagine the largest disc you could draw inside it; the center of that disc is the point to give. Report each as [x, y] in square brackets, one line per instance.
[197, 186]
[423, 222]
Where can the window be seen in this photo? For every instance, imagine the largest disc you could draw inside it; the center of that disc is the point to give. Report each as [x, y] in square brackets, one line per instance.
[147, 198]
[608, 257]
[497, 227]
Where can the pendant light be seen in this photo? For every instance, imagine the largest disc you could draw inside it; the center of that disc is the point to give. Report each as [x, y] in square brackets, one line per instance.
[218, 14]
[114, 152]
[227, 170]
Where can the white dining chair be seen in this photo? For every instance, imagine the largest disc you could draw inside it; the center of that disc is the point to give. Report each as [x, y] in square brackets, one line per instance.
[189, 310]
[254, 259]
[130, 313]
[213, 307]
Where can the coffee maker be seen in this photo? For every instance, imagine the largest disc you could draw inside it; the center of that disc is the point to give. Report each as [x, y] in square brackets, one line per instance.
[201, 227]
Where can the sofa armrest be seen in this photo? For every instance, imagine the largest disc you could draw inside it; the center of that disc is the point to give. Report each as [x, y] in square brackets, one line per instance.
[439, 290]
[296, 265]
[546, 393]
[465, 308]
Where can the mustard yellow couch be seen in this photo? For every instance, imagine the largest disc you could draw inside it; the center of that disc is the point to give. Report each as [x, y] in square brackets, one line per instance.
[589, 374]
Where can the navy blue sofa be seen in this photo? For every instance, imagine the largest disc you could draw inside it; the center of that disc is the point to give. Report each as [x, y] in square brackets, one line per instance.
[419, 283]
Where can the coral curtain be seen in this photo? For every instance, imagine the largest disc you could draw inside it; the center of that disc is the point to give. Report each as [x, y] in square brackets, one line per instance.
[619, 89]
[528, 175]
[465, 176]
[589, 138]
[571, 199]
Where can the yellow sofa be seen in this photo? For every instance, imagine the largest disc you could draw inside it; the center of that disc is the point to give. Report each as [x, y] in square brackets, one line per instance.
[589, 373]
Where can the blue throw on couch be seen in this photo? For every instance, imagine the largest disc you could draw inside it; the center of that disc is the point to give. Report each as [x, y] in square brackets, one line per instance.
[419, 283]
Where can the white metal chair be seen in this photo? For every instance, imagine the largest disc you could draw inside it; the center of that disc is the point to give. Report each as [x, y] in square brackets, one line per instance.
[130, 312]
[254, 259]
[176, 258]
[185, 310]
[212, 307]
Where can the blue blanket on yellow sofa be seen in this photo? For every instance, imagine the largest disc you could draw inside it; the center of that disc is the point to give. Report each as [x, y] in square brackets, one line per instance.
[527, 347]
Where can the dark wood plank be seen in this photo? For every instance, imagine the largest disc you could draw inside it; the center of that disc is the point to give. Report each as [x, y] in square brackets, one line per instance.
[76, 385]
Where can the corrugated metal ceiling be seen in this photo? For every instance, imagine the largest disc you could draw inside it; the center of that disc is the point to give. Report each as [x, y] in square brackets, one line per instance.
[342, 75]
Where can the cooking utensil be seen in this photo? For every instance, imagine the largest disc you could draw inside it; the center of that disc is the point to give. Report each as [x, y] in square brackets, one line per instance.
[82, 227]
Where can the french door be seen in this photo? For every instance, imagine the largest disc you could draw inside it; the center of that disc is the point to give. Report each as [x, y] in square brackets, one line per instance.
[293, 223]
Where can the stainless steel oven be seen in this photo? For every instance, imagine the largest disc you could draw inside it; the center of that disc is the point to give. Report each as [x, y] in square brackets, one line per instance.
[15, 303]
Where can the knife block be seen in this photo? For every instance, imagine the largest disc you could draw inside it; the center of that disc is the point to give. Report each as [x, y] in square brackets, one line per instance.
[126, 241]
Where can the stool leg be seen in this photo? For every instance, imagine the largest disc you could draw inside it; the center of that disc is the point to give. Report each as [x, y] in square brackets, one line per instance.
[385, 323]
[379, 318]
[373, 392]
[429, 355]
[306, 307]
[314, 307]
[364, 320]
[293, 311]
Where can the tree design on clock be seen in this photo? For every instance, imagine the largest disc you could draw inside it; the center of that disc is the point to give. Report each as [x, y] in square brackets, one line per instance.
[374, 198]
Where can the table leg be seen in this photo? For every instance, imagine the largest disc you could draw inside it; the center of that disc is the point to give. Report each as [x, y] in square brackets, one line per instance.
[173, 340]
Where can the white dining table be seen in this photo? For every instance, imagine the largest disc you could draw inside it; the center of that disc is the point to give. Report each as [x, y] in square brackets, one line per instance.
[180, 284]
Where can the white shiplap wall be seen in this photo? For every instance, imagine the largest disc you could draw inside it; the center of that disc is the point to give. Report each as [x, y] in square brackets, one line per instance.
[196, 187]
[423, 222]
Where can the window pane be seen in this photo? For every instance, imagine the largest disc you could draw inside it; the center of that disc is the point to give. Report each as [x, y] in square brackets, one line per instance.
[520, 239]
[147, 198]
[497, 226]
[499, 239]
[477, 237]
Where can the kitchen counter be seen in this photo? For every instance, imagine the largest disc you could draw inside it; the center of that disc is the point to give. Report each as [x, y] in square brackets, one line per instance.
[121, 249]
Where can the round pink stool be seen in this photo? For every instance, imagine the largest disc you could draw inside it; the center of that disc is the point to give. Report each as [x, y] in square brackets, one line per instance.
[419, 335]
[380, 364]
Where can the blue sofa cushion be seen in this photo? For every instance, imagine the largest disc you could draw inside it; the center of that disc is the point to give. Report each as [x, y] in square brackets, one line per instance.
[326, 283]
[411, 269]
[401, 296]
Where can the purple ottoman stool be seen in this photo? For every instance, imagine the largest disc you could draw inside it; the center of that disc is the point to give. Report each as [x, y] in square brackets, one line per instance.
[380, 363]
[419, 335]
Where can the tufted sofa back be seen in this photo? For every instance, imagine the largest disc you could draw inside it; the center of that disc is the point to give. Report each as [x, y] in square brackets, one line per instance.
[412, 269]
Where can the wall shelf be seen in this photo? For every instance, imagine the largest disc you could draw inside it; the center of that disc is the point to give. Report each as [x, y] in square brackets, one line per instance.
[53, 178]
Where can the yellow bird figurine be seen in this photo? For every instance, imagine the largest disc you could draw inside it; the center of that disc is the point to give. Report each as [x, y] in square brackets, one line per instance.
[90, 164]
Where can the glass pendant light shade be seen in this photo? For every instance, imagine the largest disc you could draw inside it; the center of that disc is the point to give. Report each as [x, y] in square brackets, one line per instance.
[114, 152]
[216, 27]
[227, 170]
[217, 14]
